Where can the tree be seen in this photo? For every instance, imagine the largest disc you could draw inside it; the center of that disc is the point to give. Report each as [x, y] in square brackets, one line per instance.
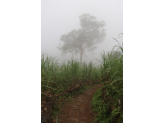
[90, 33]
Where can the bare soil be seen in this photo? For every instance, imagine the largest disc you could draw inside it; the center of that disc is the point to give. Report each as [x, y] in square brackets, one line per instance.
[79, 110]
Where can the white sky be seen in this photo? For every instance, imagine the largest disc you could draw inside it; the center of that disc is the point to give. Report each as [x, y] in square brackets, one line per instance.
[61, 17]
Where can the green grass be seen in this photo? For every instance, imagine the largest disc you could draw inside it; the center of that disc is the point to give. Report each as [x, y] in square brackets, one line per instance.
[112, 77]
[59, 77]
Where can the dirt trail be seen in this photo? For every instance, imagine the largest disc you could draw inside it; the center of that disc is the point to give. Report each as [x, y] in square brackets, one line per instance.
[79, 109]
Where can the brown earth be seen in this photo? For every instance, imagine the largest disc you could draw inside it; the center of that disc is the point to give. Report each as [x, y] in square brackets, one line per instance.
[79, 109]
[76, 111]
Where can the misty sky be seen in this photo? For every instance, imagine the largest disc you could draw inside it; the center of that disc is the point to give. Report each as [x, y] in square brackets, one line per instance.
[59, 17]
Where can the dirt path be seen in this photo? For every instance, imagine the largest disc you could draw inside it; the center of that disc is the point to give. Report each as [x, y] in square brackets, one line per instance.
[79, 109]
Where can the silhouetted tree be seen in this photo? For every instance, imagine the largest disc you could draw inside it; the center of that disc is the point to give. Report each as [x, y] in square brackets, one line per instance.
[77, 41]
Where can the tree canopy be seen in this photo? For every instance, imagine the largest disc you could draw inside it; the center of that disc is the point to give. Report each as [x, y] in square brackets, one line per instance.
[90, 33]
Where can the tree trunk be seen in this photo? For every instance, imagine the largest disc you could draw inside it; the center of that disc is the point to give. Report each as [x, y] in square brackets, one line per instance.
[81, 54]
[81, 57]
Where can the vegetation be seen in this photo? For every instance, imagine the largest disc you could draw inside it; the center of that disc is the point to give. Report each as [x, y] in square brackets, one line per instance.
[107, 102]
[77, 41]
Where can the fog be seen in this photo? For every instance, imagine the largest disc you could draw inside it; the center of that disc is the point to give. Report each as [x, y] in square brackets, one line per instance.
[59, 17]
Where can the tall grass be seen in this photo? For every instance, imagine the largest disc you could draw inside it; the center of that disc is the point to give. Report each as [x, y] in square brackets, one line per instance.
[112, 75]
[57, 77]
